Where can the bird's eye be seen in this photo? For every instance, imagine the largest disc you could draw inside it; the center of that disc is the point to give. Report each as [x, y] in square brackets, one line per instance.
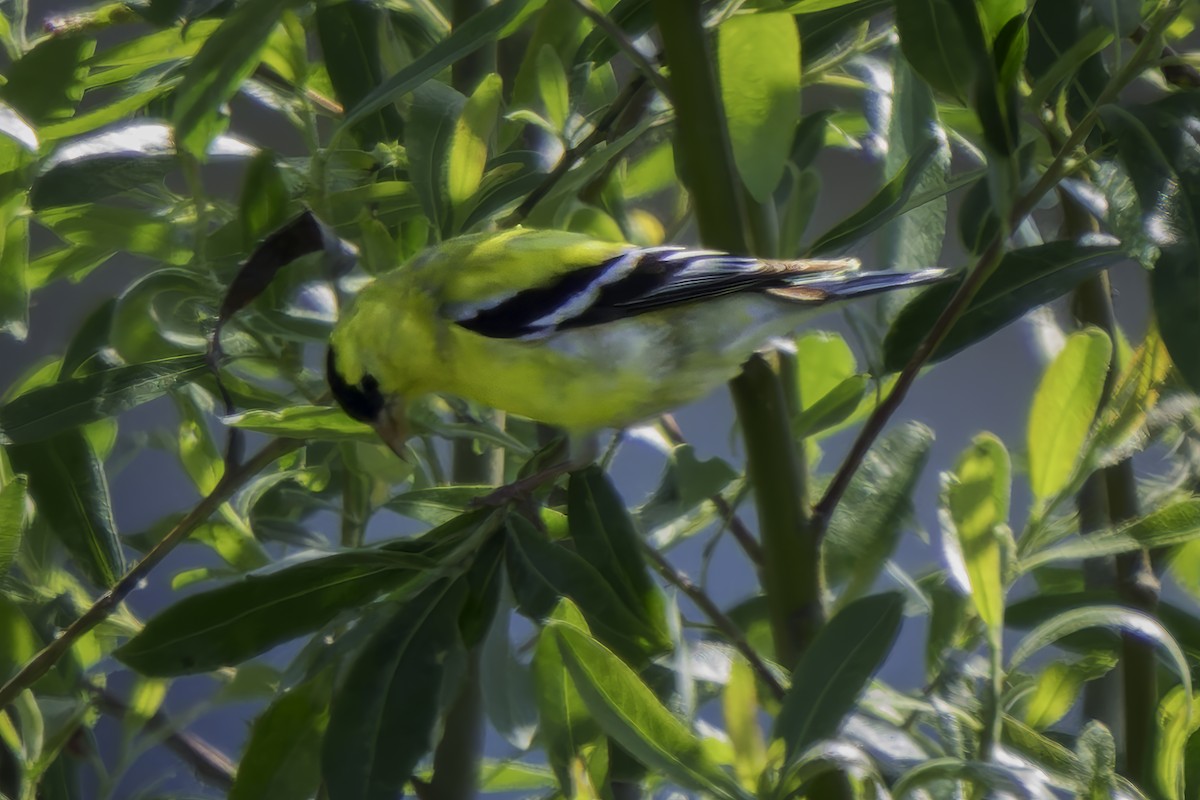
[362, 401]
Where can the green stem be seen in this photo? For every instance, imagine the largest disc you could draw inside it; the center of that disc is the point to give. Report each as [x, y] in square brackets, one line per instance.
[107, 603]
[791, 557]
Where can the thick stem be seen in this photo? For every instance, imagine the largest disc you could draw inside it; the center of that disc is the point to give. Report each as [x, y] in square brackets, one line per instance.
[108, 602]
[791, 559]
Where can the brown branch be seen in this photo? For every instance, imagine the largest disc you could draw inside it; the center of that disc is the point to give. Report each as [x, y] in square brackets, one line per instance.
[108, 602]
[209, 764]
[719, 618]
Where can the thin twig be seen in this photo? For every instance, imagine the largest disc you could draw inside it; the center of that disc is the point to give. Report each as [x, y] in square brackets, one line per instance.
[989, 260]
[626, 46]
[572, 156]
[209, 764]
[718, 617]
[108, 602]
[745, 538]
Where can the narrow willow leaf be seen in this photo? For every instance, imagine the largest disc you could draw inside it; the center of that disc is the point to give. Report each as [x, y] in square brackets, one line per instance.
[1026, 279]
[1098, 616]
[838, 405]
[975, 502]
[469, 142]
[225, 626]
[223, 62]
[437, 504]
[933, 41]
[835, 670]
[324, 423]
[69, 487]
[540, 572]
[1176, 724]
[997, 778]
[1064, 408]
[281, 758]
[881, 209]
[428, 138]
[383, 715]
[464, 40]
[349, 33]
[12, 520]
[758, 58]
[1159, 154]
[46, 83]
[14, 268]
[120, 158]
[627, 710]
[1058, 687]
[604, 535]
[509, 696]
[552, 86]
[265, 197]
[1170, 526]
[566, 727]
[49, 410]
[739, 705]
[865, 529]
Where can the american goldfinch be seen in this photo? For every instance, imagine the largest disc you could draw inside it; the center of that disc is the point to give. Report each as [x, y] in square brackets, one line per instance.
[569, 330]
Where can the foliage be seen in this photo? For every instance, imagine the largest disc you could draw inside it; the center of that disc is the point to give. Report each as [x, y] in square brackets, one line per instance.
[1052, 667]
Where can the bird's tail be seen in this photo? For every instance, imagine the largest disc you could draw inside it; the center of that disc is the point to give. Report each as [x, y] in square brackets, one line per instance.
[850, 282]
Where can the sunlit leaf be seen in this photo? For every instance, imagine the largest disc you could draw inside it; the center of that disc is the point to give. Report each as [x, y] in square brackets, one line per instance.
[469, 142]
[12, 521]
[304, 422]
[758, 56]
[1064, 408]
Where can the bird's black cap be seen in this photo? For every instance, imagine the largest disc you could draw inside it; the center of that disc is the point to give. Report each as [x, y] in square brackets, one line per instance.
[362, 401]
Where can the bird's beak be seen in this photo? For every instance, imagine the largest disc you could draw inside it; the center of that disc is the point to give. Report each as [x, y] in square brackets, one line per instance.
[392, 427]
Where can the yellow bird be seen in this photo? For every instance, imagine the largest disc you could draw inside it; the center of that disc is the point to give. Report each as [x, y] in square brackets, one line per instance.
[568, 330]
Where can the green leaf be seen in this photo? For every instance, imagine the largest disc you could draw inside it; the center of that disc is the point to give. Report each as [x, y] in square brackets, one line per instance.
[281, 759]
[1098, 616]
[565, 725]
[12, 520]
[1122, 17]
[1064, 408]
[1154, 143]
[889, 202]
[429, 137]
[835, 669]
[437, 504]
[226, 626]
[509, 695]
[129, 156]
[933, 41]
[383, 715]
[465, 39]
[627, 710]
[217, 71]
[1026, 278]
[1172, 525]
[824, 361]
[69, 487]
[1058, 687]
[350, 33]
[14, 261]
[838, 405]
[49, 410]
[975, 502]
[740, 709]
[469, 142]
[265, 199]
[552, 86]
[758, 57]
[993, 778]
[113, 228]
[1176, 724]
[540, 572]
[605, 537]
[46, 83]
[865, 529]
[322, 423]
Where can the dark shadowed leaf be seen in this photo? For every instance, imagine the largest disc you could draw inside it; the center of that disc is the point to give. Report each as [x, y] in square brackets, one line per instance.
[565, 725]
[883, 207]
[933, 41]
[627, 710]
[224, 61]
[835, 670]
[46, 84]
[282, 758]
[228, 625]
[1026, 279]
[69, 487]
[464, 40]
[58, 407]
[383, 715]
[508, 689]
[1160, 154]
[263, 205]
[823, 31]
[866, 526]
[122, 158]
[604, 535]
[349, 33]
[437, 504]
[540, 572]
[435, 109]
